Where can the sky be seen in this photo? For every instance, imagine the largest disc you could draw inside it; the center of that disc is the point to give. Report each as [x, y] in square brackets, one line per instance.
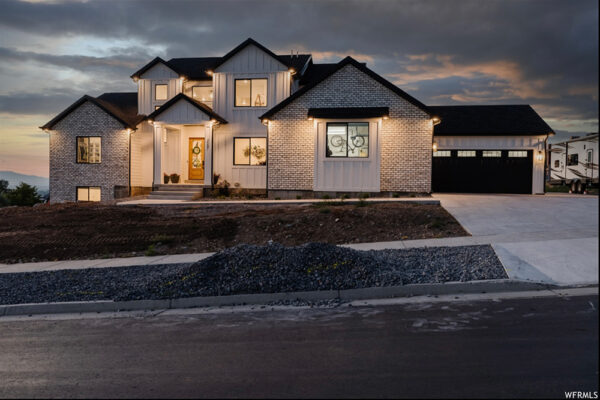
[448, 52]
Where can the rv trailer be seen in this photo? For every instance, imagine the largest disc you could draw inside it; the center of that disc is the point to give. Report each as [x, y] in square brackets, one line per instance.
[574, 162]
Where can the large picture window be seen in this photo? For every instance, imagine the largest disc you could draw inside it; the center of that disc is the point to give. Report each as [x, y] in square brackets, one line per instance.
[89, 149]
[203, 94]
[160, 92]
[250, 151]
[348, 140]
[88, 193]
[251, 92]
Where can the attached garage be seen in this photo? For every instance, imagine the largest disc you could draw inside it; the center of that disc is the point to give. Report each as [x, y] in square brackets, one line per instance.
[489, 149]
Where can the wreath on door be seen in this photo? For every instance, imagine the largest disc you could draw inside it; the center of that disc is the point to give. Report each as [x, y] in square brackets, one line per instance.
[196, 149]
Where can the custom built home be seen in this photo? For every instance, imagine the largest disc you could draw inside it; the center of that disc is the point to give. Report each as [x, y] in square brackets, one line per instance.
[286, 126]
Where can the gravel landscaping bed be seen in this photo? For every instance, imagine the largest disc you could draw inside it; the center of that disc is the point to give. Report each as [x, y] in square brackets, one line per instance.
[258, 269]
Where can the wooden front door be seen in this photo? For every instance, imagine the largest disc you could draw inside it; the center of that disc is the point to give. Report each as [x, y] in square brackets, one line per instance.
[196, 160]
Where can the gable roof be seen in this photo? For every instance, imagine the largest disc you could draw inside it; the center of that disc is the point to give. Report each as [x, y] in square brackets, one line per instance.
[516, 119]
[361, 67]
[315, 71]
[196, 68]
[201, 106]
[120, 106]
[151, 64]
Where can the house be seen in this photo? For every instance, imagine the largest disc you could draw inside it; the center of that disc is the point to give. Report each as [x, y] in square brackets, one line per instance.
[286, 126]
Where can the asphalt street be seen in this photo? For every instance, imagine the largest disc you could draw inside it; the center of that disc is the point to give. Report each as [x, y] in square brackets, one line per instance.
[504, 348]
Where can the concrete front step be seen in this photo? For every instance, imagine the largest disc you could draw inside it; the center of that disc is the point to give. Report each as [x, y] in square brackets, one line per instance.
[177, 188]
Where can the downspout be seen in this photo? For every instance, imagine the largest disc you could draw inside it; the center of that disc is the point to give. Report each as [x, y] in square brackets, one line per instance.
[267, 173]
[153, 156]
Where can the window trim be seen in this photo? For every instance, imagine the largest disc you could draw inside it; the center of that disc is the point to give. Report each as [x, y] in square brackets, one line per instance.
[250, 155]
[77, 150]
[250, 105]
[161, 84]
[88, 188]
[347, 157]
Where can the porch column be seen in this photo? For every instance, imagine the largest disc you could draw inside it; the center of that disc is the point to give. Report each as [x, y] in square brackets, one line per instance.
[158, 138]
[208, 135]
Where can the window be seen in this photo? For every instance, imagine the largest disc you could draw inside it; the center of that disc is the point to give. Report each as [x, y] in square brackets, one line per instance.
[251, 92]
[466, 153]
[492, 153]
[517, 154]
[348, 140]
[88, 193]
[250, 151]
[203, 94]
[160, 92]
[573, 159]
[89, 149]
[556, 164]
[442, 153]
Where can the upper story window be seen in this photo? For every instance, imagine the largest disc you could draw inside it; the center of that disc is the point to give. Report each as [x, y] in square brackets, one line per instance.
[251, 92]
[203, 94]
[349, 139]
[160, 92]
[89, 149]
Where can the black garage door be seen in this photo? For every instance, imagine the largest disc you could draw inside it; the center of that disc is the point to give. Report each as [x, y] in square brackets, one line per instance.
[472, 171]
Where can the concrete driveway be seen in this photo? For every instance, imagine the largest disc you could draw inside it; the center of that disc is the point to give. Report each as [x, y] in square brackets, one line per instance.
[551, 238]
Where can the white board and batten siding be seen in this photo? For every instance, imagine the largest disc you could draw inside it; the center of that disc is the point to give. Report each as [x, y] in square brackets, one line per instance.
[159, 74]
[347, 174]
[249, 63]
[142, 155]
[501, 143]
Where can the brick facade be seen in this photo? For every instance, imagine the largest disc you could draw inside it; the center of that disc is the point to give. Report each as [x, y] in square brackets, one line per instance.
[66, 174]
[406, 137]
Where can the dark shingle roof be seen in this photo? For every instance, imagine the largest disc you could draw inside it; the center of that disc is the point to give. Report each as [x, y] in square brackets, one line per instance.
[361, 67]
[315, 71]
[489, 120]
[349, 112]
[121, 106]
[201, 106]
[195, 68]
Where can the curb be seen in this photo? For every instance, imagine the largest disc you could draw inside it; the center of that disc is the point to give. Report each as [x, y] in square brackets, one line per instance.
[493, 286]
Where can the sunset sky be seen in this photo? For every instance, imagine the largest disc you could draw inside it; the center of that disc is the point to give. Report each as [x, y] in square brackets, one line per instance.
[543, 53]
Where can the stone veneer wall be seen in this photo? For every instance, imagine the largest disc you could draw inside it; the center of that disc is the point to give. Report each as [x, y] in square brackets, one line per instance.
[406, 137]
[66, 174]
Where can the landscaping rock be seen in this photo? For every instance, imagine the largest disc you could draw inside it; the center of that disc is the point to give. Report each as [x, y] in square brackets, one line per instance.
[246, 269]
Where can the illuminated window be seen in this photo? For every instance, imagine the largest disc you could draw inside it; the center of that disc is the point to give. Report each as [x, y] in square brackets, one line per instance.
[203, 94]
[250, 92]
[466, 153]
[250, 151]
[517, 154]
[88, 193]
[160, 92]
[442, 153]
[492, 153]
[348, 140]
[89, 149]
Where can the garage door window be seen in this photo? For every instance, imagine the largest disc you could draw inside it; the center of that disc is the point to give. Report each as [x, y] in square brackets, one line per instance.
[517, 154]
[442, 153]
[466, 153]
[492, 153]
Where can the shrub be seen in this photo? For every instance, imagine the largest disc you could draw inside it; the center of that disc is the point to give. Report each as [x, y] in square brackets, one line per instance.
[3, 193]
[325, 197]
[298, 197]
[325, 210]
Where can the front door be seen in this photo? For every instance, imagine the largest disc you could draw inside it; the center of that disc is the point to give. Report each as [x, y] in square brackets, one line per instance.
[196, 160]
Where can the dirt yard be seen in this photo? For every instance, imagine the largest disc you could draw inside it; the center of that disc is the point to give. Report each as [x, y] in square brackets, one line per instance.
[81, 231]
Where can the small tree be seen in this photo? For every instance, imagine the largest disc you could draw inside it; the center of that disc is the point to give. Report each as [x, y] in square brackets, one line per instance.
[3, 193]
[24, 195]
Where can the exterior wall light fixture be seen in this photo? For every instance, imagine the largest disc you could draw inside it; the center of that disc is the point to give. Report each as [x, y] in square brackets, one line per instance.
[540, 155]
[435, 147]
